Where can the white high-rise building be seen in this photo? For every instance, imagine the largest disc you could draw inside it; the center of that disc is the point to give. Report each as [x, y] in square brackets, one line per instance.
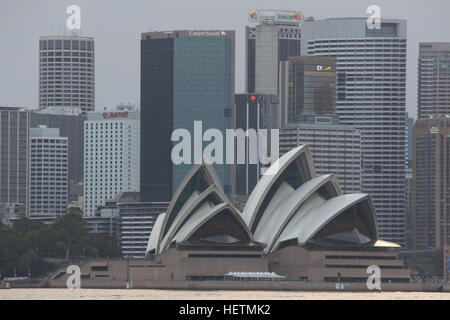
[111, 156]
[48, 173]
[371, 93]
[274, 38]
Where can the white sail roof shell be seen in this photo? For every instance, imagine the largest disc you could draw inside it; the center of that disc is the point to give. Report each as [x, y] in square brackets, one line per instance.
[272, 224]
[266, 182]
[314, 220]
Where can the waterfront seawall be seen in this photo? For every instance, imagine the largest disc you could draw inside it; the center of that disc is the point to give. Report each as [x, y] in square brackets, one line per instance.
[251, 285]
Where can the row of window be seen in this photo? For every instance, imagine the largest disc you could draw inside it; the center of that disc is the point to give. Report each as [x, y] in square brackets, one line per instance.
[88, 61]
[66, 54]
[54, 44]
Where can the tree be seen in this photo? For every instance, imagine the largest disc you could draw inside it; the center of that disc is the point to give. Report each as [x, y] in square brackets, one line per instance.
[106, 245]
[71, 229]
[24, 225]
[12, 246]
[43, 241]
[427, 265]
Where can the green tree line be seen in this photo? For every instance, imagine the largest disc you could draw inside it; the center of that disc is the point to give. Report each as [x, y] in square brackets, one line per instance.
[29, 245]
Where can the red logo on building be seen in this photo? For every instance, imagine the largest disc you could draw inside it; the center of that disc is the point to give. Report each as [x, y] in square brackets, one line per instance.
[111, 115]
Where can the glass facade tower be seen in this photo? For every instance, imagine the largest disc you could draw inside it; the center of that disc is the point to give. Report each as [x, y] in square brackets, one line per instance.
[310, 86]
[186, 76]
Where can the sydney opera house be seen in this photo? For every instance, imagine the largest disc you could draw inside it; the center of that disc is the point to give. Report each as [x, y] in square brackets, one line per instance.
[295, 224]
[296, 227]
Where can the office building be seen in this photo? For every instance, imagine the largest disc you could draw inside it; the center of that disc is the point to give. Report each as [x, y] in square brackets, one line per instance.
[111, 156]
[433, 92]
[431, 183]
[336, 148]
[371, 87]
[307, 86]
[14, 141]
[48, 173]
[66, 72]
[70, 122]
[104, 220]
[274, 38]
[253, 111]
[409, 140]
[186, 76]
[409, 208]
[136, 221]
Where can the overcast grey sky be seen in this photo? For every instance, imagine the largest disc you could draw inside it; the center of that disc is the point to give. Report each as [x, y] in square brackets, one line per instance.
[116, 26]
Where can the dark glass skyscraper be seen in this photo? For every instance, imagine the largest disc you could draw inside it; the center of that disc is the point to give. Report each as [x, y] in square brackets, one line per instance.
[253, 111]
[186, 76]
[308, 86]
[14, 162]
[433, 92]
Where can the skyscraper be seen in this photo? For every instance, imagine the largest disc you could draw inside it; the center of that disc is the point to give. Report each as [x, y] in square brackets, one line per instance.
[275, 38]
[431, 183]
[371, 85]
[66, 72]
[186, 76]
[253, 111]
[307, 86]
[434, 79]
[409, 140]
[48, 173]
[111, 156]
[14, 141]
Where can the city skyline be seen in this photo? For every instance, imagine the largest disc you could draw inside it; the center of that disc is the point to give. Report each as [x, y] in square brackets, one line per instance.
[30, 20]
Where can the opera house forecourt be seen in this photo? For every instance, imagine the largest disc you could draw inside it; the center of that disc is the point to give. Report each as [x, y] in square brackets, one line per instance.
[296, 228]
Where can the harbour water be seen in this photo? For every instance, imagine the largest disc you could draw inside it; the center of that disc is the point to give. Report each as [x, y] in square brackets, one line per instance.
[135, 294]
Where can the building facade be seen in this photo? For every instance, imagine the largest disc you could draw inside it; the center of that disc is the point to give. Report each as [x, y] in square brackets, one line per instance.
[307, 86]
[111, 156]
[253, 111]
[275, 38]
[336, 148]
[14, 144]
[67, 72]
[104, 220]
[371, 93]
[433, 92]
[48, 172]
[186, 76]
[70, 123]
[431, 183]
[409, 140]
[136, 221]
